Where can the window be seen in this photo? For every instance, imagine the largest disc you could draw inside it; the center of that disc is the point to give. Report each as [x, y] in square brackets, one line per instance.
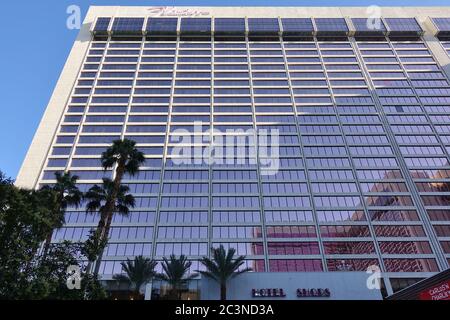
[182, 232]
[236, 202]
[229, 26]
[331, 25]
[351, 264]
[263, 26]
[403, 24]
[236, 232]
[195, 25]
[297, 25]
[411, 265]
[303, 265]
[346, 247]
[184, 202]
[162, 26]
[127, 25]
[346, 231]
[101, 25]
[405, 247]
[236, 216]
[364, 25]
[293, 248]
[183, 217]
[189, 249]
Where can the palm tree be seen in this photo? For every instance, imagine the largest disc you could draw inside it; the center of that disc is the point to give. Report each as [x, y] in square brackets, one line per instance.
[102, 199]
[127, 158]
[66, 193]
[222, 267]
[137, 272]
[176, 274]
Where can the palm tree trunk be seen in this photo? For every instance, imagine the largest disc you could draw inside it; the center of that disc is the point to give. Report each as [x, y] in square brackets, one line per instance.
[104, 236]
[109, 212]
[47, 243]
[137, 290]
[89, 267]
[98, 232]
[223, 292]
[172, 294]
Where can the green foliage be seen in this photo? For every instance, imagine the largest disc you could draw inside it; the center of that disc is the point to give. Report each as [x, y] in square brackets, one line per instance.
[137, 272]
[63, 193]
[92, 288]
[66, 191]
[125, 154]
[100, 196]
[26, 219]
[52, 271]
[93, 246]
[112, 197]
[223, 267]
[102, 199]
[176, 274]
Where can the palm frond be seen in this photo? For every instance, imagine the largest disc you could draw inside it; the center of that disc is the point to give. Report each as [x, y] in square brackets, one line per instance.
[121, 278]
[208, 275]
[137, 272]
[125, 153]
[241, 272]
[223, 265]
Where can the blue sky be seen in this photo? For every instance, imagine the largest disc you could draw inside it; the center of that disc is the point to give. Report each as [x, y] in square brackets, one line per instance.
[35, 45]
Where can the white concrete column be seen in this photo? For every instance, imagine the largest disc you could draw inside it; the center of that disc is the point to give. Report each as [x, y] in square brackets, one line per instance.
[148, 291]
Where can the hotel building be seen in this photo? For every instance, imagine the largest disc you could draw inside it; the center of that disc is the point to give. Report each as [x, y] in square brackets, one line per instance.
[359, 99]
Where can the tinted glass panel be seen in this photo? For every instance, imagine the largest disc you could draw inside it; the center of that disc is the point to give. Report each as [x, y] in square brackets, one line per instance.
[443, 24]
[229, 25]
[263, 25]
[195, 25]
[403, 24]
[297, 25]
[368, 25]
[102, 24]
[331, 25]
[125, 25]
[162, 25]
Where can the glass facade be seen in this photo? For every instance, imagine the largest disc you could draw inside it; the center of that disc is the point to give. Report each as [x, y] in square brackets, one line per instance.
[364, 142]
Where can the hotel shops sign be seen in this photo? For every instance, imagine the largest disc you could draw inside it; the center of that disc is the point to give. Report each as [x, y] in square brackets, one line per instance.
[176, 12]
[301, 293]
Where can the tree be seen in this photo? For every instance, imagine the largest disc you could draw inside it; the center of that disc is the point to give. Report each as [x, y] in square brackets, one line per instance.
[66, 194]
[24, 225]
[127, 158]
[100, 199]
[92, 289]
[223, 267]
[26, 219]
[137, 272]
[176, 274]
[53, 271]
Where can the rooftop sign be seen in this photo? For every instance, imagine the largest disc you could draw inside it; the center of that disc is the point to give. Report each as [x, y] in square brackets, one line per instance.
[176, 12]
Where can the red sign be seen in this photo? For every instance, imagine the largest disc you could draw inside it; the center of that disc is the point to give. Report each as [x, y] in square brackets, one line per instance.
[438, 292]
